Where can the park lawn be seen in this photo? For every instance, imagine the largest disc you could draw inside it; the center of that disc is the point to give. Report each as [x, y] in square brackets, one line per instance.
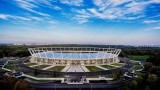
[140, 57]
[30, 64]
[10, 67]
[134, 62]
[137, 67]
[118, 64]
[108, 66]
[93, 68]
[41, 66]
[56, 68]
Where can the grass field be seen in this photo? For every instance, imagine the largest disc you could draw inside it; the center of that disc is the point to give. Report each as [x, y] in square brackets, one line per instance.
[30, 64]
[135, 63]
[10, 66]
[140, 57]
[41, 66]
[108, 66]
[137, 67]
[56, 68]
[118, 64]
[93, 68]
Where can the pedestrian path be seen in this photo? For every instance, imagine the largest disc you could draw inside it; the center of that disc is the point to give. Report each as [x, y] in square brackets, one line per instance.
[65, 69]
[114, 65]
[34, 65]
[85, 69]
[101, 67]
[48, 67]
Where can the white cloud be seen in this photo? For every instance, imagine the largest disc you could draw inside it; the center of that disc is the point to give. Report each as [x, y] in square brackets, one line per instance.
[3, 16]
[120, 9]
[30, 5]
[80, 19]
[52, 22]
[81, 16]
[56, 8]
[155, 28]
[151, 21]
[72, 2]
[103, 9]
[36, 18]
[6, 17]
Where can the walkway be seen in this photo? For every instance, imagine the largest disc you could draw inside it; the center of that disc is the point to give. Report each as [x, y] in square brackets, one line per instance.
[101, 67]
[114, 65]
[34, 65]
[85, 69]
[65, 69]
[48, 67]
[75, 68]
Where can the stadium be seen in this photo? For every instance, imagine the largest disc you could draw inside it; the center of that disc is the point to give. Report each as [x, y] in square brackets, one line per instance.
[75, 58]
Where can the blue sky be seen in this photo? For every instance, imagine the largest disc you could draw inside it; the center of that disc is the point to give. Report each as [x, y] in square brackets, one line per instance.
[128, 22]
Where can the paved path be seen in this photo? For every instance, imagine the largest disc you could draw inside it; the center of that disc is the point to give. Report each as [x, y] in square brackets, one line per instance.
[85, 69]
[101, 67]
[65, 69]
[36, 78]
[34, 65]
[114, 65]
[48, 67]
[75, 68]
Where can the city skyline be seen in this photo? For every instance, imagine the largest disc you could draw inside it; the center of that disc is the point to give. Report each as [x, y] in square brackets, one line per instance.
[119, 22]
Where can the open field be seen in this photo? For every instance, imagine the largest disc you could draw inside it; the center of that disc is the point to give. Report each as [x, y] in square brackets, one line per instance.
[108, 66]
[41, 66]
[140, 57]
[93, 68]
[56, 68]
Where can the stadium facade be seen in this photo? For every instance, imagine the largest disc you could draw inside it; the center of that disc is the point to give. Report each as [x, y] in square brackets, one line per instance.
[74, 55]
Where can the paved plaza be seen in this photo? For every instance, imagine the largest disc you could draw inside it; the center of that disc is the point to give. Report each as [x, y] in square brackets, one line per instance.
[75, 68]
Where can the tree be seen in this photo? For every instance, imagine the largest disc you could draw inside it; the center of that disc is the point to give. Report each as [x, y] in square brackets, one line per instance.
[133, 85]
[147, 66]
[147, 87]
[22, 85]
[117, 75]
[11, 83]
[155, 70]
[152, 78]
[154, 59]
